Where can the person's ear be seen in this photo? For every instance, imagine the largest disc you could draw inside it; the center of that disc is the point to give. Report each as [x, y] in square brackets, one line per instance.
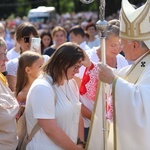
[27, 70]
[136, 44]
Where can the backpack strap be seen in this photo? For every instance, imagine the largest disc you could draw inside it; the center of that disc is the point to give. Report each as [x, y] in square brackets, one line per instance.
[34, 131]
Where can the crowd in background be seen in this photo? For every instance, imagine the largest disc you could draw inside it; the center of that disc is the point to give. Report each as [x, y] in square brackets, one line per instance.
[67, 21]
[24, 66]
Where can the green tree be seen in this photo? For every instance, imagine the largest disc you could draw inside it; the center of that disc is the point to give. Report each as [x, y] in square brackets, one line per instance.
[21, 7]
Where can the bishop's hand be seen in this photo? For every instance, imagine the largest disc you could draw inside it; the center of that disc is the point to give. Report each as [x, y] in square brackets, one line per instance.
[106, 74]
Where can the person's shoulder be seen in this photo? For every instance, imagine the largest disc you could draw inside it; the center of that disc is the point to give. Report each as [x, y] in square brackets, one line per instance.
[49, 51]
[41, 85]
[11, 50]
[84, 46]
[42, 80]
[48, 48]
[97, 39]
[12, 63]
[121, 56]
[21, 97]
[121, 61]
[12, 54]
[73, 84]
[46, 57]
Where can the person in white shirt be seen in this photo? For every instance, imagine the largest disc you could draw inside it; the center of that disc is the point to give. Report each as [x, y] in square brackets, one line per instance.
[24, 33]
[93, 40]
[57, 108]
[14, 52]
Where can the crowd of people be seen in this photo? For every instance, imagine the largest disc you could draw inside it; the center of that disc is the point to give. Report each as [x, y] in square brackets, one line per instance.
[56, 86]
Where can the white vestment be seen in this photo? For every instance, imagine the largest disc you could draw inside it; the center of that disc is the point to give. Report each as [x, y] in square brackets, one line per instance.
[132, 110]
[132, 104]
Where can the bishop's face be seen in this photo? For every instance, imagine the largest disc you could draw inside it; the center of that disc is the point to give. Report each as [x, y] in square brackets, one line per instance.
[128, 48]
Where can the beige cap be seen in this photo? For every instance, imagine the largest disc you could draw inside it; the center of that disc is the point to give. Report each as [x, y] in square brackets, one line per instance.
[135, 23]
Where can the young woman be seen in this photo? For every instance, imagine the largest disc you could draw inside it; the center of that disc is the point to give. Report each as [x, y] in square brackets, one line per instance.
[24, 33]
[93, 40]
[46, 40]
[29, 68]
[59, 36]
[56, 107]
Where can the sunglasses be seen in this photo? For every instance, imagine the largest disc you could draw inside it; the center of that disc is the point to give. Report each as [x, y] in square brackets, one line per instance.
[27, 39]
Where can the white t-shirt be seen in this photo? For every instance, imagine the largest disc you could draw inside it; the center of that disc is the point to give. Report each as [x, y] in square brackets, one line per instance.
[121, 62]
[12, 66]
[52, 103]
[11, 54]
[94, 43]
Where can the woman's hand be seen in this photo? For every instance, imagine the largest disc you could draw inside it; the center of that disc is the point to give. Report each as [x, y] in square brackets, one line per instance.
[36, 49]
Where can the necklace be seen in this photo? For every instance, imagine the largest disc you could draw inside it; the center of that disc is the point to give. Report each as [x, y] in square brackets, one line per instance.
[64, 92]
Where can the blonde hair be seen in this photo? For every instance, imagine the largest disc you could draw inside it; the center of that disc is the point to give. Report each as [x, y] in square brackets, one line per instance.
[58, 28]
[3, 43]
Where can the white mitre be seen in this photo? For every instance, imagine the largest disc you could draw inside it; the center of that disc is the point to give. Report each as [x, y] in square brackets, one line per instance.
[135, 23]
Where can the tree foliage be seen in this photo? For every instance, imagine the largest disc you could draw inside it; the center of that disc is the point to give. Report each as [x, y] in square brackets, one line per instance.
[21, 7]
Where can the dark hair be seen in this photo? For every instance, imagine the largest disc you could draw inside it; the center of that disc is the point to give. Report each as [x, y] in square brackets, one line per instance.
[86, 34]
[66, 56]
[77, 30]
[44, 33]
[26, 59]
[25, 29]
[90, 25]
